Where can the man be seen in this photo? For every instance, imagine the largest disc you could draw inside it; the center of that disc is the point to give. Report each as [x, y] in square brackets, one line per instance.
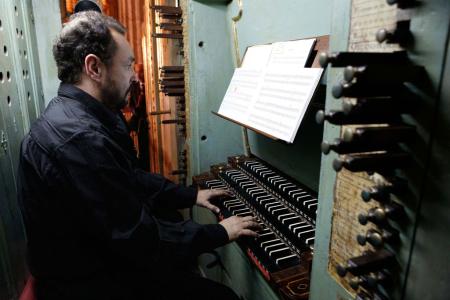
[95, 222]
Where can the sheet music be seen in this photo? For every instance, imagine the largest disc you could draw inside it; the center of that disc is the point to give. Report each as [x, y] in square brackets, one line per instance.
[272, 89]
[282, 101]
[292, 54]
[257, 57]
[241, 94]
[274, 102]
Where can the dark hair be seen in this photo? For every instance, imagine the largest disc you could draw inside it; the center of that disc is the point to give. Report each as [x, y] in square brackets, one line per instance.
[85, 5]
[86, 33]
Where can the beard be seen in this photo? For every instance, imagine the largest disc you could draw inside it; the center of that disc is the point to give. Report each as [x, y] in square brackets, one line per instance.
[112, 96]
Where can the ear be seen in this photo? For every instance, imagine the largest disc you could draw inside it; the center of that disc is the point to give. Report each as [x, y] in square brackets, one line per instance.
[93, 67]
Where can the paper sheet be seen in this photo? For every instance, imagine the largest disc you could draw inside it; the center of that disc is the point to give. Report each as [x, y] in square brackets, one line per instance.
[272, 89]
[274, 102]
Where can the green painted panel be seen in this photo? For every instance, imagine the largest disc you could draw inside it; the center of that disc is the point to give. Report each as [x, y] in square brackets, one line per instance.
[20, 104]
[322, 285]
[47, 24]
[211, 67]
[429, 272]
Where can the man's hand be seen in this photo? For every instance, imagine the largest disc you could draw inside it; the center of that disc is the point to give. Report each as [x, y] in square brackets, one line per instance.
[204, 197]
[240, 226]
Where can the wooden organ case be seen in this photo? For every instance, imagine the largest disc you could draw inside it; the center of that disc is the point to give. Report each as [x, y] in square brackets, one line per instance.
[381, 109]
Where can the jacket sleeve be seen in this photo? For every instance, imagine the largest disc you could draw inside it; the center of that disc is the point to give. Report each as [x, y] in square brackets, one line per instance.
[163, 193]
[112, 203]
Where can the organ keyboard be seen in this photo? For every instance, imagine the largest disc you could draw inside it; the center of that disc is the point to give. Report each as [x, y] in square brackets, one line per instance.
[286, 211]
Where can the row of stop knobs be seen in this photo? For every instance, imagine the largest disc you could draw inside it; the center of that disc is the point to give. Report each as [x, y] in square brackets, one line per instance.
[376, 93]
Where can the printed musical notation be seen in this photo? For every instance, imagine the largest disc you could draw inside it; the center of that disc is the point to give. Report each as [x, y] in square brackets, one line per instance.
[272, 89]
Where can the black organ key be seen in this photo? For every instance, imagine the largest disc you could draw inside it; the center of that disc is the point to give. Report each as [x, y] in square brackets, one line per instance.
[288, 261]
[269, 204]
[282, 217]
[303, 199]
[227, 203]
[264, 237]
[239, 211]
[271, 207]
[233, 207]
[291, 220]
[245, 214]
[213, 183]
[273, 246]
[301, 228]
[280, 211]
[265, 245]
[267, 173]
[264, 201]
[281, 252]
[238, 179]
[278, 251]
[296, 192]
[310, 240]
[309, 203]
[234, 200]
[297, 225]
[294, 223]
[285, 188]
[306, 233]
[263, 230]
[248, 185]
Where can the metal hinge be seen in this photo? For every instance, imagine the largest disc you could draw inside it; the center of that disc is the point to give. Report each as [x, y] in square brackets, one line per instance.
[4, 142]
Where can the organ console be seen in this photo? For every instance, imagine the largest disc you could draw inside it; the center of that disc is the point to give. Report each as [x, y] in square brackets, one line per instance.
[286, 211]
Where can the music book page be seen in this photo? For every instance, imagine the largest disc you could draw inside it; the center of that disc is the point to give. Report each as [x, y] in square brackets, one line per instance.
[274, 102]
[241, 94]
[292, 54]
[257, 57]
[272, 90]
[282, 100]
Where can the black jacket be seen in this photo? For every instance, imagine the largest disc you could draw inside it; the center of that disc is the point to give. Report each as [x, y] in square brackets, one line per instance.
[90, 214]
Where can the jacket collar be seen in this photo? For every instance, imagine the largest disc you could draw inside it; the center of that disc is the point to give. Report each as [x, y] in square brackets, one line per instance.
[95, 107]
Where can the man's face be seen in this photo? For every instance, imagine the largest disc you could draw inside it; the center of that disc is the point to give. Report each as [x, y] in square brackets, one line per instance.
[120, 74]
